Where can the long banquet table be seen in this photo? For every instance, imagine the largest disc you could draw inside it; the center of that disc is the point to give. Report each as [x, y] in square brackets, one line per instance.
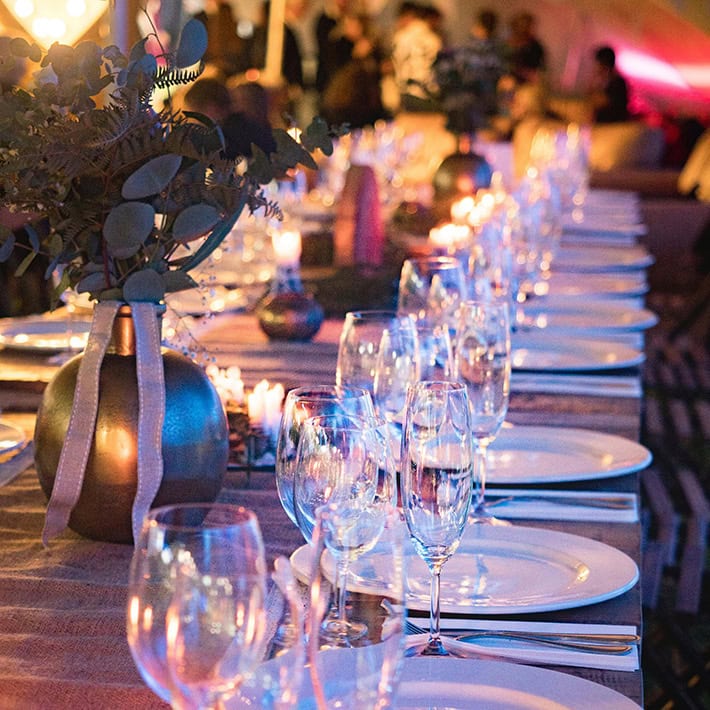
[62, 609]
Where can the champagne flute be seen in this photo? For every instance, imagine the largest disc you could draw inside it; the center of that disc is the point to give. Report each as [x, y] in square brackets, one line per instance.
[364, 672]
[196, 553]
[345, 462]
[300, 404]
[431, 288]
[482, 364]
[437, 483]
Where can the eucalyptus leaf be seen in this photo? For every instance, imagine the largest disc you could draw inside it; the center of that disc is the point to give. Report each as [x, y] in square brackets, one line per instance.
[91, 283]
[25, 263]
[7, 247]
[32, 236]
[215, 239]
[194, 221]
[146, 285]
[138, 71]
[192, 44]
[126, 228]
[177, 281]
[152, 177]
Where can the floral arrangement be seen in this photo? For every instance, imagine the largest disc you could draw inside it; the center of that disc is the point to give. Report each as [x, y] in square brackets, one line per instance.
[122, 197]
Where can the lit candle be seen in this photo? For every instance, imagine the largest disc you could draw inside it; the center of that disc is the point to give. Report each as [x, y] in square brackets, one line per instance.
[264, 406]
[449, 237]
[287, 247]
[227, 382]
[461, 209]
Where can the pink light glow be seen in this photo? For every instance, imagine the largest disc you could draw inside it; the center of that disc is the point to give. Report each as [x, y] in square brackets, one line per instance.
[637, 65]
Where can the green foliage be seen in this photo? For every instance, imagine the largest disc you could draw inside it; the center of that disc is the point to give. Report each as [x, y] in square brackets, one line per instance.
[133, 195]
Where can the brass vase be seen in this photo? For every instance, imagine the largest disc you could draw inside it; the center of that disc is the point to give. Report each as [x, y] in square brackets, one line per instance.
[195, 437]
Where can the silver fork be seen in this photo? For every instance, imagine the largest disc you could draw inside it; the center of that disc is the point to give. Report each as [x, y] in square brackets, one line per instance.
[617, 644]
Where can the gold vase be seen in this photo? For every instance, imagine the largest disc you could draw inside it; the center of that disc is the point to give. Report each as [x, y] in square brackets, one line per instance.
[195, 437]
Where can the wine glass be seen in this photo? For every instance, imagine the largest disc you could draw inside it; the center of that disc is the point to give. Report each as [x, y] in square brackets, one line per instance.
[482, 364]
[436, 355]
[437, 483]
[300, 404]
[364, 672]
[276, 681]
[431, 288]
[201, 558]
[396, 367]
[360, 342]
[343, 461]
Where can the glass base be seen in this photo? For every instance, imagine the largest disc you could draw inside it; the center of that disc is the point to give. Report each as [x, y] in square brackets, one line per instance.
[433, 647]
[341, 634]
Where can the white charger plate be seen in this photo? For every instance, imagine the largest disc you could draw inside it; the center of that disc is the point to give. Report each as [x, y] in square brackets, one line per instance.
[587, 316]
[539, 454]
[632, 283]
[45, 335]
[547, 352]
[463, 683]
[11, 438]
[502, 570]
[600, 259]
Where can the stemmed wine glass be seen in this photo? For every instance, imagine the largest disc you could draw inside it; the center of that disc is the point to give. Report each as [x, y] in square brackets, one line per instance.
[195, 617]
[359, 345]
[431, 288]
[482, 364]
[343, 462]
[364, 672]
[396, 367]
[300, 404]
[437, 483]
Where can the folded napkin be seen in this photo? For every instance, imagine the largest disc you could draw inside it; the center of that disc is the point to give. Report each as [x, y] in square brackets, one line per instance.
[534, 653]
[533, 504]
[563, 383]
[15, 464]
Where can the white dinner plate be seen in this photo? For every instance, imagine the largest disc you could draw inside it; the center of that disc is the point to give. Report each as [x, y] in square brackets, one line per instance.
[540, 454]
[463, 683]
[600, 259]
[563, 284]
[11, 438]
[502, 570]
[45, 335]
[595, 317]
[550, 353]
[604, 223]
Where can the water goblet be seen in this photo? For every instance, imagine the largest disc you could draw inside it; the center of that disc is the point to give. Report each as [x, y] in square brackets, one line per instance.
[431, 288]
[211, 553]
[437, 483]
[345, 462]
[360, 342]
[300, 404]
[482, 364]
[364, 671]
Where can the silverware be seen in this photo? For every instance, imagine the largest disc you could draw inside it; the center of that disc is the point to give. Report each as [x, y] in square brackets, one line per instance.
[611, 502]
[617, 644]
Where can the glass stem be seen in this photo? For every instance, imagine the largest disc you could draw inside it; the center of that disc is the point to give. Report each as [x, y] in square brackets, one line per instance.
[341, 578]
[481, 461]
[435, 607]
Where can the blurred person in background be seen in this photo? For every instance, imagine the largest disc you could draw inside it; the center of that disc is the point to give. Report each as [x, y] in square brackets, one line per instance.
[416, 43]
[610, 91]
